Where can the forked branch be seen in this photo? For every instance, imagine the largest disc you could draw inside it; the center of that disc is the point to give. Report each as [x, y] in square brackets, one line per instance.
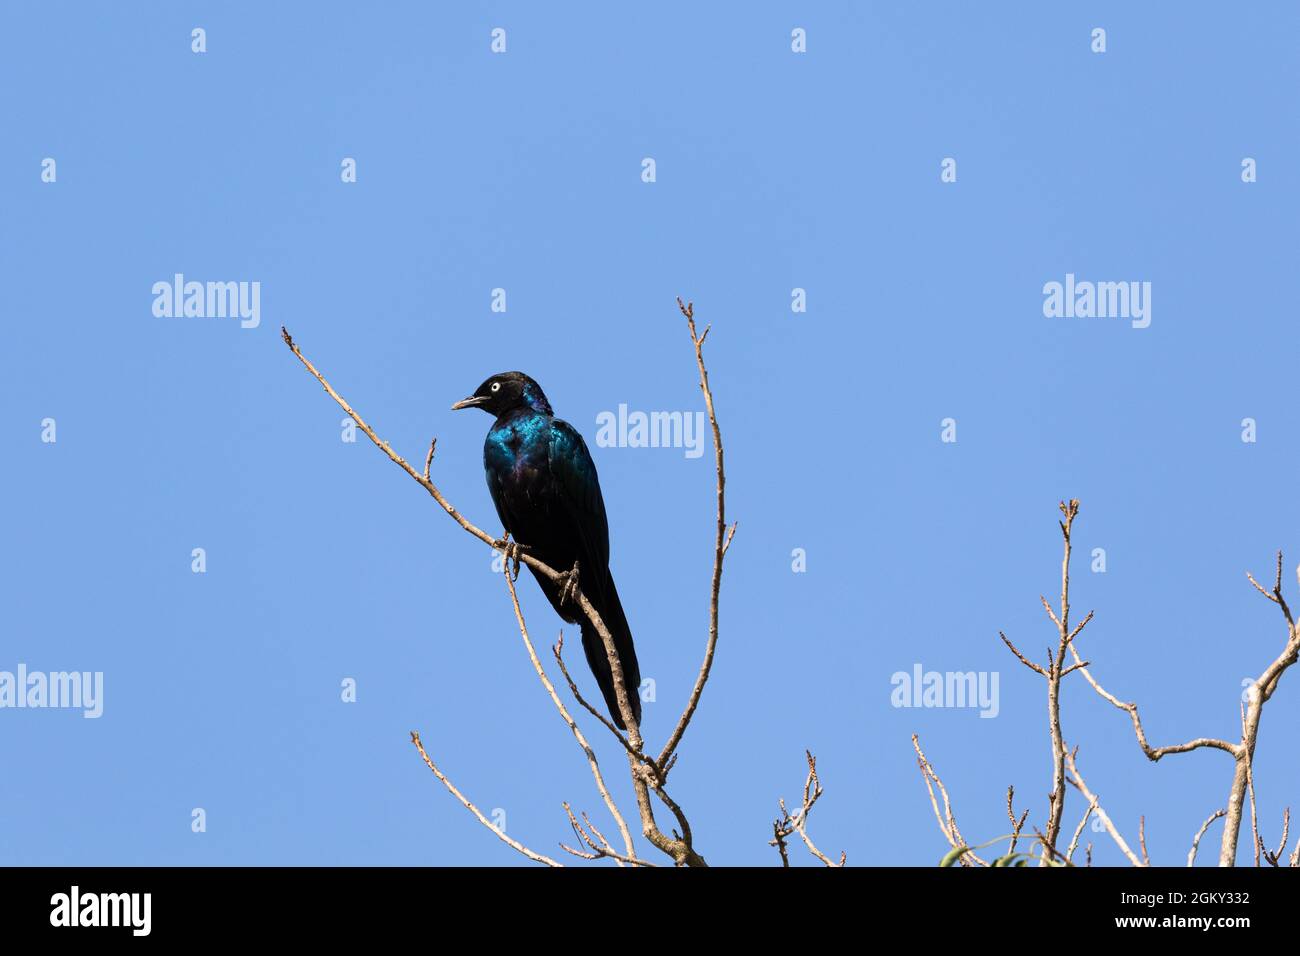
[648, 773]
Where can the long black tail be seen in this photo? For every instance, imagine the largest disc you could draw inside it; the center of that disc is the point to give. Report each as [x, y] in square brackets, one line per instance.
[611, 612]
[603, 595]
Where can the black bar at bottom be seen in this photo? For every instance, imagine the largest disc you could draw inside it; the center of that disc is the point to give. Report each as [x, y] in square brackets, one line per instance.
[331, 905]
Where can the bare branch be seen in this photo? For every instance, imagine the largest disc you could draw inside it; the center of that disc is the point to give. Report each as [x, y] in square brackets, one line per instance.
[1074, 842]
[655, 783]
[1259, 694]
[1037, 668]
[1056, 796]
[1074, 667]
[1274, 856]
[568, 719]
[558, 650]
[652, 778]
[1016, 825]
[1050, 613]
[428, 459]
[601, 850]
[1276, 594]
[1250, 789]
[1132, 710]
[536, 857]
[778, 840]
[798, 821]
[1051, 852]
[1078, 781]
[722, 541]
[579, 853]
[947, 822]
[1081, 625]
[1196, 840]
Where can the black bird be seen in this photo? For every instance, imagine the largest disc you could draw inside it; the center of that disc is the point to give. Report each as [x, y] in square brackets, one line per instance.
[544, 485]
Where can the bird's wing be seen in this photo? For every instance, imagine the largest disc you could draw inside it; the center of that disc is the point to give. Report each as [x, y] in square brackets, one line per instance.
[574, 474]
[498, 498]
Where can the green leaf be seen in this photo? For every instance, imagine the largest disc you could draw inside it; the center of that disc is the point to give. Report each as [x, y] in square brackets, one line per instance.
[952, 856]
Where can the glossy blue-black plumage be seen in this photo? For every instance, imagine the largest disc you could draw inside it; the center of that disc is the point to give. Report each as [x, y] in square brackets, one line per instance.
[546, 491]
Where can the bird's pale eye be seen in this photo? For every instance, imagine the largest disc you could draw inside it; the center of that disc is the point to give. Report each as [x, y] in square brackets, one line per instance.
[496, 386]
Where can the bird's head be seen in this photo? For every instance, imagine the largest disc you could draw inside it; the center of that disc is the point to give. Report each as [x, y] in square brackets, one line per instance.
[506, 392]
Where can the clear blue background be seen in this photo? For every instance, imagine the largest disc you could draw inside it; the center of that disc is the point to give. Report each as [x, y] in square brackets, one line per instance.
[522, 171]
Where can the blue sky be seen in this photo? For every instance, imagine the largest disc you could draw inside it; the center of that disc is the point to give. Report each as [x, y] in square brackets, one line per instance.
[523, 171]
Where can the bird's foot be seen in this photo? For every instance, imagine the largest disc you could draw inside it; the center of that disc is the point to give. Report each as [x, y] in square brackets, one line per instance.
[569, 588]
[510, 551]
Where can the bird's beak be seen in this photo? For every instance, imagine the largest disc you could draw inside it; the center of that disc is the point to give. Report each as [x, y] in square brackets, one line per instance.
[472, 402]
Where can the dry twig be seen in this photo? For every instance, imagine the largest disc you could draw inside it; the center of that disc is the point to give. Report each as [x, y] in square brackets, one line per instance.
[1054, 672]
[1076, 779]
[451, 787]
[1242, 752]
[797, 822]
[1196, 840]
[947, 822]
